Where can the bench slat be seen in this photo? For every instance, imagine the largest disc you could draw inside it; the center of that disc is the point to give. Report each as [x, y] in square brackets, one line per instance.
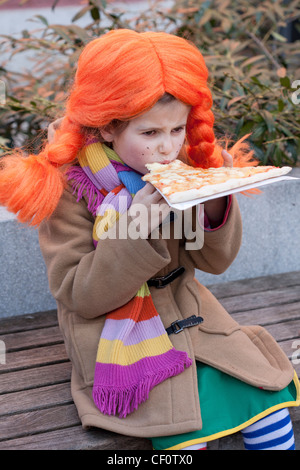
[75, 438]
[35, 399]
[34, 357]
[28, 322]
[35, 377]
[269, 315]
[32, 338]
[44, 420]
[257, 284]
[266, 298]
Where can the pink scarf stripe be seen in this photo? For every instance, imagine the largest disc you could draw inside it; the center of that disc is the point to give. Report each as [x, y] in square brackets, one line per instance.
[131, 332]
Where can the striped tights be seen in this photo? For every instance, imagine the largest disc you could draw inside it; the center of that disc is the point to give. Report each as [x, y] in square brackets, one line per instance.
[274, 432]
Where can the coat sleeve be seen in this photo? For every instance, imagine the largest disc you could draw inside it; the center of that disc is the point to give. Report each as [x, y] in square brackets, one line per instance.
[89, 281]
[219, 247]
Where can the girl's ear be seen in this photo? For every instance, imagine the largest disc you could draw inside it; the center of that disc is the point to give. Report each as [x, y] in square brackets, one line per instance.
[108, 133]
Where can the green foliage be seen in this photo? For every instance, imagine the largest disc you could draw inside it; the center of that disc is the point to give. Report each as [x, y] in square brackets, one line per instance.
[253, 68]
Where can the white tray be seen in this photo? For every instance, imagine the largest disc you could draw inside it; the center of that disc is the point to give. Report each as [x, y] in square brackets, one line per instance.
[186, 205]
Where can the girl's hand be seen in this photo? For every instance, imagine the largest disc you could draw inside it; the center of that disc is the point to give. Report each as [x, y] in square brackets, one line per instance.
[215, 208]
[148, 209]
[53, 126]
[228, 160]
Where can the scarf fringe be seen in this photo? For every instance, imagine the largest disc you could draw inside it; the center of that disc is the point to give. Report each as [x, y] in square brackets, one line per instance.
[121, 401]
[82, 185]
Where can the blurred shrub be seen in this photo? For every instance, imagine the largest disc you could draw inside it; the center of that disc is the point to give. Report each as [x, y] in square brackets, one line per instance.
[253, 68]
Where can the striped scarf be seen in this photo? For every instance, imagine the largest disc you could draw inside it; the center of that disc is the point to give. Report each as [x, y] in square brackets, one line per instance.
[134, 351]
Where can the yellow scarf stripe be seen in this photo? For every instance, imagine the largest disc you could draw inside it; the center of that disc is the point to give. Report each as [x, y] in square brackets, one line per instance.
[114, 352]
[95, 156]
[143, 290]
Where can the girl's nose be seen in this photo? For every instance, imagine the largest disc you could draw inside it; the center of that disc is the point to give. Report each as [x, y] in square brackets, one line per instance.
[165, 145]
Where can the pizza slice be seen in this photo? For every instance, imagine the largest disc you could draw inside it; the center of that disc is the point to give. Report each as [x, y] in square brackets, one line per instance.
[179, 182]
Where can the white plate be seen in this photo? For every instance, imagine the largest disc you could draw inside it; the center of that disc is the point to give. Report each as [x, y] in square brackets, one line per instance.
[186, 205]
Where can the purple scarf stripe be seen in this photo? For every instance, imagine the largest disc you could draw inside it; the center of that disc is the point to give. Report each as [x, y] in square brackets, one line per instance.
[134, 381]
[119, 166]
[108, 176]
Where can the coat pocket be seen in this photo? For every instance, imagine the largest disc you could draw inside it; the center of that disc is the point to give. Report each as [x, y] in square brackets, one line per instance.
[275, 356]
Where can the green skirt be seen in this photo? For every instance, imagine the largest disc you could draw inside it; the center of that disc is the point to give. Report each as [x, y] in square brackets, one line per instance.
[227, 406]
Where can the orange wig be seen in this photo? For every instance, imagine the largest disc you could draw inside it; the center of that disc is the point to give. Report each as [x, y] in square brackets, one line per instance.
[119, 76]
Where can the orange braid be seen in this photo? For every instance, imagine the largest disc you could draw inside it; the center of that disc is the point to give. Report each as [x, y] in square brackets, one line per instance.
[31, 186]
[201, 138]
[203, 150]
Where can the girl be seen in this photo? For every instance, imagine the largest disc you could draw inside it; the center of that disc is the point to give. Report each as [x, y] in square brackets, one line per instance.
[154, 354]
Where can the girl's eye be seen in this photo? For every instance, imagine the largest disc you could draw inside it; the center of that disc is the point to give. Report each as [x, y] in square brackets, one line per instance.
[149, 132]
[178, 129]
[153, 132]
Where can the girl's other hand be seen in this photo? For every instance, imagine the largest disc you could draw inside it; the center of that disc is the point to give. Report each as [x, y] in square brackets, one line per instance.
[52, 128]
[228, 160]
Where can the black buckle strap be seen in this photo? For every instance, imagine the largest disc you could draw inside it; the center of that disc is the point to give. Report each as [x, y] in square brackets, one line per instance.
[178, 325]
[163, 281]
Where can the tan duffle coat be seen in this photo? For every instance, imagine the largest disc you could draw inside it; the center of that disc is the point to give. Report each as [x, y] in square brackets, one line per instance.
[87, 283]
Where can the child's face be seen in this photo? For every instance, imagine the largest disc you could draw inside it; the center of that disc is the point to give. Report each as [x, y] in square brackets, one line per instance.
[155, 136]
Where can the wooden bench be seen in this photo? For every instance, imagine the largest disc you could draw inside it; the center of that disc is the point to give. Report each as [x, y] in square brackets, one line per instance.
[36, 407]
